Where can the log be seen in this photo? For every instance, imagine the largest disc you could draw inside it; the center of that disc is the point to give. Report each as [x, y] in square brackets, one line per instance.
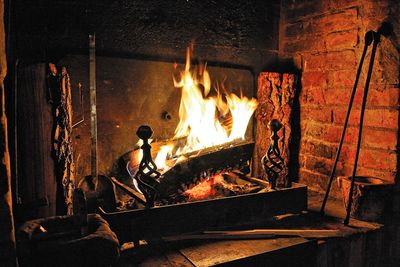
[255, 180]
[210, 160]
[276, 94]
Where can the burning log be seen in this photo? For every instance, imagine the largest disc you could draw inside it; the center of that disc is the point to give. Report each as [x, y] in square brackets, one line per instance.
[209, 161]
[221, 185]
[195, 167]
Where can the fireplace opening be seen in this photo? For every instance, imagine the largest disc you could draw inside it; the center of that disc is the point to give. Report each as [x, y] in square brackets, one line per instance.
[175, 121]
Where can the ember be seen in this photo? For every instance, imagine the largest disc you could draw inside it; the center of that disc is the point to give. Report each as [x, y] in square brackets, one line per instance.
[220, 185]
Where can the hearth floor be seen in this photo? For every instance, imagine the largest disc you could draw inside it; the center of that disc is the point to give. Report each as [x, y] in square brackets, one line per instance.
[359, 244]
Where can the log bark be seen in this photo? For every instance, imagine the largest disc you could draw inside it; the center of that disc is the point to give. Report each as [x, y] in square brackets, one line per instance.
[275, 93]
[7, 237]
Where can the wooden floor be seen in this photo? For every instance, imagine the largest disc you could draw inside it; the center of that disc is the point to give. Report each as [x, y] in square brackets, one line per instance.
[361, 244]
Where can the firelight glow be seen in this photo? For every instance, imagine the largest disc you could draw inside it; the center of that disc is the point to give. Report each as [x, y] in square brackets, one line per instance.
[205, 120]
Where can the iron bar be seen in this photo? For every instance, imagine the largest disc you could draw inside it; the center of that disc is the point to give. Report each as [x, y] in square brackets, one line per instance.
[368, 40]
[376, 39]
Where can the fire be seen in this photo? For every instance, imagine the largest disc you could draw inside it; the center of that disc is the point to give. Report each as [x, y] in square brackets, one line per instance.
[205, 189]
[206, 120]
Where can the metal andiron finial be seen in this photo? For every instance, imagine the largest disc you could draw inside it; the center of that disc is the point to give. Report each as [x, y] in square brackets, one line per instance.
[272, 162]
[147, 174]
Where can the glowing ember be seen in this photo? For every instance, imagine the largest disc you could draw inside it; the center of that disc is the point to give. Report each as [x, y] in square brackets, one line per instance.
[205, 120]
[206, 189]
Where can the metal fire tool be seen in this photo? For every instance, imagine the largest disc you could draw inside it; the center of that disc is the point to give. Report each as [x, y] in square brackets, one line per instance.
[147, 174]
[93, 112]
[272, 162]
[371, 37]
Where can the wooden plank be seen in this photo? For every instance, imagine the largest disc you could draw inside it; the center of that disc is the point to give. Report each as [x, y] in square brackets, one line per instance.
[36, 178]
[257, 234]
[275, 252]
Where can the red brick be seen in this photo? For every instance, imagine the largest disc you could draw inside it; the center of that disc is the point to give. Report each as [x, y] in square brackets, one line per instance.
[376, 9]
[314, 113]
[322, 165]
[382, 118]
[314, 95]
[341, 97]
[376, 98]
[328, 133]
[380, 139]
[343, 78]
[340, 4]
[315, 43]
[344, 39]
[312, 129]
[371, 158]
[298, 29]
[313, 147]
[293, 10]
[339, 116]
[331, 61]
[387, 97]
[385, 118]
[362, 171]
[317, 182]
[344, 20]
[315, 78]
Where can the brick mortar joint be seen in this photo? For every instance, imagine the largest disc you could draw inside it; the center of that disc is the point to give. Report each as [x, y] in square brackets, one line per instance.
[321, 14]
[365, 168]
[352, 145]
[352, 126]
[355, 107]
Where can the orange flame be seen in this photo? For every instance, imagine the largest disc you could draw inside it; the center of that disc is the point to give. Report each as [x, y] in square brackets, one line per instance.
[206, 121]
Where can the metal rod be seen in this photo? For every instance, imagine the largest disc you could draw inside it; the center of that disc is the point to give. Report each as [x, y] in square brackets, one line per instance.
[376, 40]
[93, 113]
[82, 107]
[368, 40]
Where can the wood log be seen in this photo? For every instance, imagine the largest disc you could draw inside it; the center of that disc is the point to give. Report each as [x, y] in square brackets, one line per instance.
[276, 94]
[209, 160]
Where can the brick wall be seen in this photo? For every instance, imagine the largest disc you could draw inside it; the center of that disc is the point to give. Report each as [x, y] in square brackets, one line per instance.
[324, 40]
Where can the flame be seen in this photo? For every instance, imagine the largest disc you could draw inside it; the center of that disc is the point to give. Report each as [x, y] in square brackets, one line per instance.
[206, 120]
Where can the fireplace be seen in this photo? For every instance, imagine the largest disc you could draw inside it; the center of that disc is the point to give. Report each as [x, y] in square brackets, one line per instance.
[198, 188]
[249, 46]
